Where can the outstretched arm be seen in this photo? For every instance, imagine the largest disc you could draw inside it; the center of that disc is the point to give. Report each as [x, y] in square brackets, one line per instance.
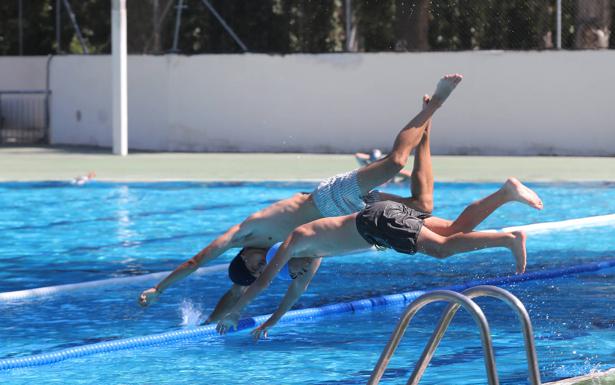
[262, 282]
[226, 302]
[226, 241]
[295, 290]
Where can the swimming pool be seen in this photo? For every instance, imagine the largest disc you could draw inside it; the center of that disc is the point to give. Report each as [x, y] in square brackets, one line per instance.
[55, 233]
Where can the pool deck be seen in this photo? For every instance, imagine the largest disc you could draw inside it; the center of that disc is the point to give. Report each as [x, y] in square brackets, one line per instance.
[602, 378]
[64, 163]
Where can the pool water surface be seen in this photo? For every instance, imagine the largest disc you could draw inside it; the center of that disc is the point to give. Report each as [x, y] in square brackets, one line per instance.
[57, 233]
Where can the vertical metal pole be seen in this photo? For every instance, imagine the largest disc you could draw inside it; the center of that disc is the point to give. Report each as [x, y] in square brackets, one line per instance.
[558, 31]
[178, 22]
[348, 16]
[58, 25]
[20, 17]
[46, 138]
[119, 77]
[156, 25]
[1, 120]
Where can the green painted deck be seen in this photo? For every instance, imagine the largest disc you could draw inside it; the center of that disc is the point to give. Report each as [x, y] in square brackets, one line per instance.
[64, 163]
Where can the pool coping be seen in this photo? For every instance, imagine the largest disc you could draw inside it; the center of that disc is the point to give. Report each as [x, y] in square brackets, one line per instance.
[598, 378]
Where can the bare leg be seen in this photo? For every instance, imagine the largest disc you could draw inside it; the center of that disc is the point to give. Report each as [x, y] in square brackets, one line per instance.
[421, 182]
[382, 170]
[421, 177]
[438, 246]
[474, 214]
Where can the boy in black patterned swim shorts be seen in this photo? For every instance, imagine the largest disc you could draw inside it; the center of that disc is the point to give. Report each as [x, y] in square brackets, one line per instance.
[391, 224]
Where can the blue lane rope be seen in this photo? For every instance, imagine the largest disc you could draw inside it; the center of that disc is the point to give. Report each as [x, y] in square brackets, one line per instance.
[291, 316]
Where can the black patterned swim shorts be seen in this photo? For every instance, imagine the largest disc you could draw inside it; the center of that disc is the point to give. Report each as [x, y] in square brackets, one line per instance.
[392, 225]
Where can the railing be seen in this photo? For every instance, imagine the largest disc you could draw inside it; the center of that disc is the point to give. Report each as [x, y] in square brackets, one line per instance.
[418, 304]
[24, 116]
[457, 300]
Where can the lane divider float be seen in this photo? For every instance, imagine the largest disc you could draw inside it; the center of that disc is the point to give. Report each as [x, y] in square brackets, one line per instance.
[360, 305]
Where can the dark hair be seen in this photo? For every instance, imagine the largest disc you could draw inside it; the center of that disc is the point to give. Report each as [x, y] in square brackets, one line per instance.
[238, 271]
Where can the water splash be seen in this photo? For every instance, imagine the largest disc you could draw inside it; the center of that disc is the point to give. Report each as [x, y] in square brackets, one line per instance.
[191, 315]
[589, 366]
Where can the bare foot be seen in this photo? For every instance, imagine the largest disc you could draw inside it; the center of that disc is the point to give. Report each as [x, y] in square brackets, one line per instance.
[518, 250]
[445, 86]
[519, 192]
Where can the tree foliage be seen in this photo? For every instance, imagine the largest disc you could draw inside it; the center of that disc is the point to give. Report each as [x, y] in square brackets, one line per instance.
[279, 26]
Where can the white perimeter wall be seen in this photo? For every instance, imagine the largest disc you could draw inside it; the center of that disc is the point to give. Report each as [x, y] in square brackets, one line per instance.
[508, 103]
[22, 73]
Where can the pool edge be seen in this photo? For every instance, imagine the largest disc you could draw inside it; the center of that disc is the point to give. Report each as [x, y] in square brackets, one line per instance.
[598, 378]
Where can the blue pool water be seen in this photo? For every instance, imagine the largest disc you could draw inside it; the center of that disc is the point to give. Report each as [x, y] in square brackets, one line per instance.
[55, 233]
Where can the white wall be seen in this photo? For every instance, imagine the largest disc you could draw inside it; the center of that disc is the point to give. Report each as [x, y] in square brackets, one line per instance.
[508, 103]
[81, 100]
[22, 73]
[81, 110]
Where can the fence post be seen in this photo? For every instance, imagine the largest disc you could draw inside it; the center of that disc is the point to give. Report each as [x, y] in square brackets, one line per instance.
[348, 9]
[558, 32]
[119, 66]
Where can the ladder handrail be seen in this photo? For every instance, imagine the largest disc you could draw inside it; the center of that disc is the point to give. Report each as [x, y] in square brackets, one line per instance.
[418, 304]
[451, 310]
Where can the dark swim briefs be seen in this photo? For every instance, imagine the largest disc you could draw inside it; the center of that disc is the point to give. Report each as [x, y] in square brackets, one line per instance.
[392, 225]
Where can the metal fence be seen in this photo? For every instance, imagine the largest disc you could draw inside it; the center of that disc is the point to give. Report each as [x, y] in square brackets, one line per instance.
[232, 26]
[24, 116]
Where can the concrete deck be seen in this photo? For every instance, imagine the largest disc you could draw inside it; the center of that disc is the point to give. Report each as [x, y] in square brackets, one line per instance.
[64, 163]
[603, 378]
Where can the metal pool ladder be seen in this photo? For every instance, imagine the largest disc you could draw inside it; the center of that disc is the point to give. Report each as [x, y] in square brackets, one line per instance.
[456, 300]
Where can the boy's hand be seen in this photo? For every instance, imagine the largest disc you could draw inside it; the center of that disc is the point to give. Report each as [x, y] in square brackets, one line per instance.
[263, 330]
[229, 321]
[148, 297]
